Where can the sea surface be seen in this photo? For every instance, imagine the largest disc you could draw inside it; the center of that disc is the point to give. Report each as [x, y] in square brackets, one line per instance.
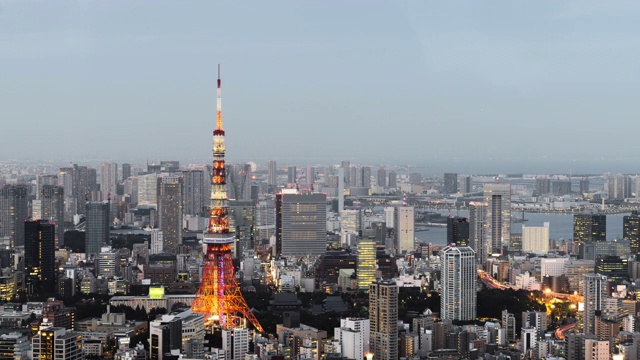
[560, 226]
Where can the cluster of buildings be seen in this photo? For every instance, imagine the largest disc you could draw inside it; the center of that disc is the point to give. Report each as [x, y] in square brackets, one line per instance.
[333, 229]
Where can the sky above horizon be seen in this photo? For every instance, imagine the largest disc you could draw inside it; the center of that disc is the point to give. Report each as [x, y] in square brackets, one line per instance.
[405, 82]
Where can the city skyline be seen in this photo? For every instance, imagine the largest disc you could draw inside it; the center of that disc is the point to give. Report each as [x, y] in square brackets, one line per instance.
[527, 86]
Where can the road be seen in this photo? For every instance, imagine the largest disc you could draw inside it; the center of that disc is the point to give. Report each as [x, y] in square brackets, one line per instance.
[559, 333]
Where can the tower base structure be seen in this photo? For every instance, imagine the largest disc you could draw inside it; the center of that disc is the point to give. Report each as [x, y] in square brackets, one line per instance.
[219, 298]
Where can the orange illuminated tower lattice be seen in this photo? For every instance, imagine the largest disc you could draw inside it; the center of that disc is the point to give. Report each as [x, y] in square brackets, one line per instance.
[219, 298]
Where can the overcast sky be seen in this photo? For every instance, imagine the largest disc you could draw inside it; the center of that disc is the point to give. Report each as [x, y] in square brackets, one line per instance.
[419, 82]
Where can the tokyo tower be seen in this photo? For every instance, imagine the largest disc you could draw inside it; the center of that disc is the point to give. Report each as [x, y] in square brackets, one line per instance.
[219, 298]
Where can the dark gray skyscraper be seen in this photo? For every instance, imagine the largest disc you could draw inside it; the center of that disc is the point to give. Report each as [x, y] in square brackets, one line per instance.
[39, 258]
[301, 224]
[631, 231]
[271, 176]
[13, 212]
[382, 177]
[347, 172]
[126, 171]
[450, 183]
[543, 187]
[393, 180]
[52, 200]
[194, 194]
[97, 227]
[589, 227]
[458, 231]
[84, 182]
[170, 211]
[466, 184]
[42, 180]
[584, 185]
[498, 216]
[291, 175]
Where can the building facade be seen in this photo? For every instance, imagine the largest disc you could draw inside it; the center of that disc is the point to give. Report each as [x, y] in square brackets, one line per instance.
[458, 297]
[383, 320]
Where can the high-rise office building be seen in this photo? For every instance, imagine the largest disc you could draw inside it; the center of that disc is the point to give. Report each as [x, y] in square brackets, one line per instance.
[543, 187]
[194, 195]
[415, 179]
[458, 298]
[292, 175]
[148, 189]
[242, 219]
[301, 223]
[13, 212]
[157, 243]
[310, 175]
[170, 211]
[108, 180]
[271, 175]
[615, 268]
[382, 177]
[83, 182]
[265, 219]
[52, 209]
[595, 292]
[404, 225]
[347, 172]
[393, 180]
[631, 231]
[465, 185]
[97, 227]
[126, 171]
[42, 180]
[509, 324]
[383, 320]
[619, 187]
[366, 267]
[589, 227]
[450, 183]
[498, 215]
[535, 238]
[39, 258]
[458, 231]
[561, 187]
[477, 226]
[584, 185]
